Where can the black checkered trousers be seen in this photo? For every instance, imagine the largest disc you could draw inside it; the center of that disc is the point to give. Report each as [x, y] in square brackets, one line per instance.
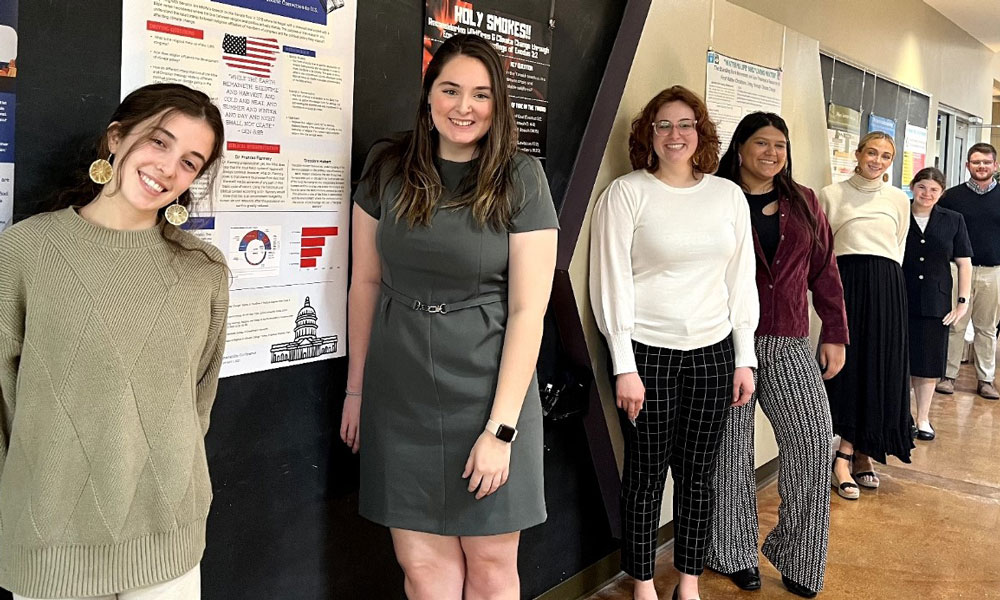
[688, 393]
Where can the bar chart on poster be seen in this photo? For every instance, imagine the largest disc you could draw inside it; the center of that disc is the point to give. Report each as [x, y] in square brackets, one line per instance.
[282, 76]
[312, 243]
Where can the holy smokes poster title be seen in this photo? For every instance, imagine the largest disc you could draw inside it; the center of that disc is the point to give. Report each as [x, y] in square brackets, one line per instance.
[525, 46]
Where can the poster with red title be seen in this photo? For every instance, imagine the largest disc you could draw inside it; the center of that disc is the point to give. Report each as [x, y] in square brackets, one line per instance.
[524, 45]
[282, 75]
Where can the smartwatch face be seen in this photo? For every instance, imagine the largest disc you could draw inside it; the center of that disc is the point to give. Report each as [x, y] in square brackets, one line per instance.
[506, 433]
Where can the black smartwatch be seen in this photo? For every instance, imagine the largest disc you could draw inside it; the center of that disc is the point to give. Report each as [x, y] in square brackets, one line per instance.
[504, 433]
[962, 300]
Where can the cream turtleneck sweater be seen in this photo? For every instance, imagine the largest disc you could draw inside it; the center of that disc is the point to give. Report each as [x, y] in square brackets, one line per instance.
[867, 217]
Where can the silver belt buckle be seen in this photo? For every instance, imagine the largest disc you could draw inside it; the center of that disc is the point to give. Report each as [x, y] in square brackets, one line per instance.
[430, 308]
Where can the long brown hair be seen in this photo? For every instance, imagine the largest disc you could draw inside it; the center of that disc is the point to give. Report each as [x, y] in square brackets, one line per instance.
[166, 100]
[488, 190]
[729, 167]
[640, 141]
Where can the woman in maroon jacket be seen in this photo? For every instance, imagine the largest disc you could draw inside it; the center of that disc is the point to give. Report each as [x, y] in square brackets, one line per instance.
[794, 247]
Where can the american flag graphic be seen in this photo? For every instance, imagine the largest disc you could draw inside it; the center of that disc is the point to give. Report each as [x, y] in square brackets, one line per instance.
[250, 55]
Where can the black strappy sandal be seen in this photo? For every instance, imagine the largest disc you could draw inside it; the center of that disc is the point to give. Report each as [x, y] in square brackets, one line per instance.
[848, 490]
[867, 479]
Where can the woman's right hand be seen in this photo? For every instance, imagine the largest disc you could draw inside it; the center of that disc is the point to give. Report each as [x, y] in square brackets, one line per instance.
[630, 393]
[350, 421]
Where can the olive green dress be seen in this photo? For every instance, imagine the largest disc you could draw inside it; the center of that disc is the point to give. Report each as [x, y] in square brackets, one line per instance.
[430, 377]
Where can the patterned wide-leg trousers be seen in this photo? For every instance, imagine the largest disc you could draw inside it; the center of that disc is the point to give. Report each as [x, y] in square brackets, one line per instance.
[688, 393]
[791, 395]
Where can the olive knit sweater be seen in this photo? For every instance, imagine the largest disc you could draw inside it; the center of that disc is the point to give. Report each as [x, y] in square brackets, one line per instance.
[110, 348]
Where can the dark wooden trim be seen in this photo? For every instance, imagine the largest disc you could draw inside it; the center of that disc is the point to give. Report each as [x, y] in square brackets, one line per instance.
[595, 137]
[577, 197]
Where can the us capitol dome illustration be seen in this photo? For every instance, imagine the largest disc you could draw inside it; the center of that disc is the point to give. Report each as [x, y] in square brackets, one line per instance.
[306, 344]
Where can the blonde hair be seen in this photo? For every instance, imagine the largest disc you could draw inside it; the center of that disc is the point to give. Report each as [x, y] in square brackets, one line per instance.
[870, 137]
[877, 135]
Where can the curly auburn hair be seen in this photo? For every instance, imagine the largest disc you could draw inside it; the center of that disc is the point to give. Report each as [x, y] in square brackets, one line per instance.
[640, 140]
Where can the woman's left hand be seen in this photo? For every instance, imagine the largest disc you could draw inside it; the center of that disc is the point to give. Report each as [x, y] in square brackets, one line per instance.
[488, 465]
[831, 359]
[742, 385]
[957, 313]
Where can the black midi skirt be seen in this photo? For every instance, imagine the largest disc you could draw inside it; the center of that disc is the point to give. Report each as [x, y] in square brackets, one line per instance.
[928, 346]
[870, 397]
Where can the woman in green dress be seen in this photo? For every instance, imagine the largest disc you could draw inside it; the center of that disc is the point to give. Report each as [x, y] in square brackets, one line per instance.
[454, 244]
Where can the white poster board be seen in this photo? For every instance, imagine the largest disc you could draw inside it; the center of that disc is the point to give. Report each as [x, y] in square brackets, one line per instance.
[736, 88]
[283, 76]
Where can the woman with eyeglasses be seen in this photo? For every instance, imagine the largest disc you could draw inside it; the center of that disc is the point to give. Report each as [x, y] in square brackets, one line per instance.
[794, 256]
[672, 289]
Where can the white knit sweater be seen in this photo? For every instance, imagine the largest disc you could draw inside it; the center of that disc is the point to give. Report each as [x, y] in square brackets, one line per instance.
[673, 267]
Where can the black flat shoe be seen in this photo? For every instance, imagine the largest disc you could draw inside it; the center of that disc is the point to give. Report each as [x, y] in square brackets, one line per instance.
[676, 587]
[925, 435]
[798, 590]
[746, 579]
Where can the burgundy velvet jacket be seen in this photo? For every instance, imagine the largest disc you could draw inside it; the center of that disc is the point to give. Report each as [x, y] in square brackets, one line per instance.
[799, 264]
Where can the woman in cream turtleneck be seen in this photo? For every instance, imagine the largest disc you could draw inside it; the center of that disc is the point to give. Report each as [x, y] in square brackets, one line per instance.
[869, 400]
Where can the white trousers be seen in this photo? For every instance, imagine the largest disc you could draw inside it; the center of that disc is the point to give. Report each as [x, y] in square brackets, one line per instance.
[185, 587]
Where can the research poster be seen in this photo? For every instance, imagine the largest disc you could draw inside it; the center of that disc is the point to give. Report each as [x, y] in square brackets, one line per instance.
[914, 154]
[8, 88]
[525, 46]
[736, 88]
[843, 135]
[282, 74]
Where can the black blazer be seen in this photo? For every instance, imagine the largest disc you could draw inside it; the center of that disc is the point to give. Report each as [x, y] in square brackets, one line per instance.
[927, 261]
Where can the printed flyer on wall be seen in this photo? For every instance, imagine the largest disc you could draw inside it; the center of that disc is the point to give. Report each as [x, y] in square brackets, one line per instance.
[525, 46]
[736, 88]
[842, 136]
[282, 74]
[914, 154]
[8, 85]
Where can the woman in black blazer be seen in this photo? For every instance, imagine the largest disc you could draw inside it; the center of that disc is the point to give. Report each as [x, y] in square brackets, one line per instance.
[937, 238]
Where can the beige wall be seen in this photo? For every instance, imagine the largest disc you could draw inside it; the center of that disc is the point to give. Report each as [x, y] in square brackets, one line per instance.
[906, 40]
[995, 133]
[672, 50]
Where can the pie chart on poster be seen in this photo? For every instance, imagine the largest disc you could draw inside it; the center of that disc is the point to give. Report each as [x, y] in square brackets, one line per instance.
[254, 246]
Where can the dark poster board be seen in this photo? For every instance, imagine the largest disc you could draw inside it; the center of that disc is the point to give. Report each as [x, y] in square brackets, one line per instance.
[284, 518]
[865, 91]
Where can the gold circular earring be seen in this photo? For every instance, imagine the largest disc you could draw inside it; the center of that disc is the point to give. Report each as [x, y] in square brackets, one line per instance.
[101, 171]
[176, 214]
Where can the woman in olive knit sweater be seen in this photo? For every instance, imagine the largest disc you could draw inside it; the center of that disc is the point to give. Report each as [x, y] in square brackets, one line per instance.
[112, 325]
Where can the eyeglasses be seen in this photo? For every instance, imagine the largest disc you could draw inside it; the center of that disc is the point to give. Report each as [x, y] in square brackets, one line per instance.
[981, 163]
[663, 128]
